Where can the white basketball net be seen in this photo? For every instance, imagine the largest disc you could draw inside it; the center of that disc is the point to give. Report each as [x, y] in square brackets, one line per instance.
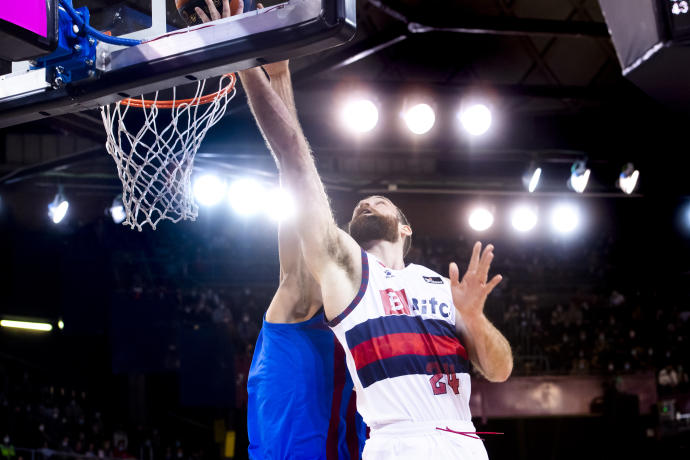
[155, 160]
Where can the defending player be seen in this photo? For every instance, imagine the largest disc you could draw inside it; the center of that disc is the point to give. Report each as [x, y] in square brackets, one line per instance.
[301, 399]
[409, 334]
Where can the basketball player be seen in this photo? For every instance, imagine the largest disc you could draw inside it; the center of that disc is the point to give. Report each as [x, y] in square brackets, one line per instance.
[302, 403]
[409, 334]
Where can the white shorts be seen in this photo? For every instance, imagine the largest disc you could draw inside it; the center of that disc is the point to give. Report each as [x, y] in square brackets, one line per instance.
[421, 440]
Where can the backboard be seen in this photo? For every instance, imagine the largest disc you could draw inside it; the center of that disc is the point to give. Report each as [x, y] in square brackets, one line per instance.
[171, 53]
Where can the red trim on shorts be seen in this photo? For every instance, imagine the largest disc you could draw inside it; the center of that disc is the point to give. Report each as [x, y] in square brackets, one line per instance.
[338, 385]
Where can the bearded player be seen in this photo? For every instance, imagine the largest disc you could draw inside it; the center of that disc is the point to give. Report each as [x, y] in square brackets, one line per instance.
[301, 400]
[409, 334]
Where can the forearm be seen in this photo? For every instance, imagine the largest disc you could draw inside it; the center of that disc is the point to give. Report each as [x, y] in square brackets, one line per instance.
[492, 350]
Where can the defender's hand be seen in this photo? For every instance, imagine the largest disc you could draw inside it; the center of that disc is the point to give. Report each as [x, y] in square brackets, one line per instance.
[229, 9]
[470, 294]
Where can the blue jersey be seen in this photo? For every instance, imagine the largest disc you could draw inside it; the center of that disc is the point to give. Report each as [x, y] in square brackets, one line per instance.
[301, 399]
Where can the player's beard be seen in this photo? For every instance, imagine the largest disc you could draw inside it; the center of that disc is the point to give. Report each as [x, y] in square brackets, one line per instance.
[374, 227]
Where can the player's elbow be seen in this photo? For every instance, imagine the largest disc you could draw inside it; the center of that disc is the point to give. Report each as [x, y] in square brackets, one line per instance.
[502, 372]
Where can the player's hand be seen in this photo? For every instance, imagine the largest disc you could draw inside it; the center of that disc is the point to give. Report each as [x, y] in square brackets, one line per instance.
[229, 9]
[469, 294]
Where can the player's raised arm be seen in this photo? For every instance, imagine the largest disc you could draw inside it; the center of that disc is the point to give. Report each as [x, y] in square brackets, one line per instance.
[488, 349]
[331, 255]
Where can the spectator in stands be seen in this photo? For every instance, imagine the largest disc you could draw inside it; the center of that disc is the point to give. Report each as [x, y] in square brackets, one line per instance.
[668, 380]
[7, 449]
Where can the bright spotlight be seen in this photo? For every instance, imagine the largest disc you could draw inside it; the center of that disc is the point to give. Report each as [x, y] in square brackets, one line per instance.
[476, 119]
[247, 197]
[27, 325]
[117, 210]
[360, 115]
[279, 205]
[534, 180]
[627, 181]
[420, 118]
[57, 210]
[209, 190]
[524, 218]
[565, 218]
[61, 325]
[579, 176]
[481, 219]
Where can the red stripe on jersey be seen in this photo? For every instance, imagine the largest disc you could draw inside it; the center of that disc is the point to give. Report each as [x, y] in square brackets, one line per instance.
[338, 385]
[351, 427]
[406, 343]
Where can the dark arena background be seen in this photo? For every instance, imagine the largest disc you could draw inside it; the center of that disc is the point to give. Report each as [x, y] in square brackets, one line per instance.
[153, 331]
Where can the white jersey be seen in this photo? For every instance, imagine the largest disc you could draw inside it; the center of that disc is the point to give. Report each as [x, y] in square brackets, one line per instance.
[402, 351]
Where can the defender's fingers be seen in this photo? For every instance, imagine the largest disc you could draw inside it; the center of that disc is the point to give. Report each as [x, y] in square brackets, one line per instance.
[239, 8]
[212, 10]
[201, 14]
[474, 260]
[453, 272]
[493, 283]
[226, 9]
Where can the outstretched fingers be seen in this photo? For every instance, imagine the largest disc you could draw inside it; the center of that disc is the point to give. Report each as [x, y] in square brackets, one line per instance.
[492, 284]
[238, 9]
[474, 260]
[212, 10]
[485, 261]
[453, 273]
[202, 15]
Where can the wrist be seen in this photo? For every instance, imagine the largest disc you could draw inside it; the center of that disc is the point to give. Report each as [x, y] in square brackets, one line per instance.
[473, 320]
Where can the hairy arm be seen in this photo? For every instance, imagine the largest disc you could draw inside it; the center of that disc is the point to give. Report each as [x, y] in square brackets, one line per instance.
[330, 254]
[488, 350]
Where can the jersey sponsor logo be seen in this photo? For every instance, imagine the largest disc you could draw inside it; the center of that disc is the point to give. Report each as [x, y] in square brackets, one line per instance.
[431, 306]
[395, 302]
[388, 273]
[433, 279]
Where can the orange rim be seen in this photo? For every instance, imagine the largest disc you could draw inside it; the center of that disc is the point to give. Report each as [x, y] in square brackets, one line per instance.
[173, 104]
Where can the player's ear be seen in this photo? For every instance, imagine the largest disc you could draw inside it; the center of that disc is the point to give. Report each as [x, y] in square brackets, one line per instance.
[406, 230]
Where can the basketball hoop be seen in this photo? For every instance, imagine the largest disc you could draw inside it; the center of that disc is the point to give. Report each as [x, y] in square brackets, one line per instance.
[155, 156]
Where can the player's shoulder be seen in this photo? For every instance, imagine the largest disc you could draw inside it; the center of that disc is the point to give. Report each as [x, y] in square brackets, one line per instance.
[427, 273]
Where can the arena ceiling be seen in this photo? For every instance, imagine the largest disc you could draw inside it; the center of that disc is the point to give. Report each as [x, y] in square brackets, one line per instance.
[547, 67]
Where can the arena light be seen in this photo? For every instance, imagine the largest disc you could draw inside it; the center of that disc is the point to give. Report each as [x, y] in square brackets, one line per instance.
[27, 325]
[531, 179]
[476, 119]
[627, 181]
[57, 209]
[61, 325]
[565, 218]
[524, 218]
[360, 115]
[279, 205]
[117, 210]
[209, 189]
[420, 118]
[246, 197]
[579, 176]
[481, 219]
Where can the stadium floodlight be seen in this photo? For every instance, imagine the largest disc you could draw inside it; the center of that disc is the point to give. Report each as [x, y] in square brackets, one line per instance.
[531, 179]
[209, 189]
[246, 197]
[420, 118]
[565, 218]
[360, 115]
[476, 119]
[57, 209]
[279, 205]
[26, 325]
[481, 219]
[579, 176]
[627, 181]
[117, 210]
[61, 324]
[524, 218]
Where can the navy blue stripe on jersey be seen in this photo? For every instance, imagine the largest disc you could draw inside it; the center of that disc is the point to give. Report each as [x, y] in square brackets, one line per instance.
[396, 324]
[398, 366]
[362, 289]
